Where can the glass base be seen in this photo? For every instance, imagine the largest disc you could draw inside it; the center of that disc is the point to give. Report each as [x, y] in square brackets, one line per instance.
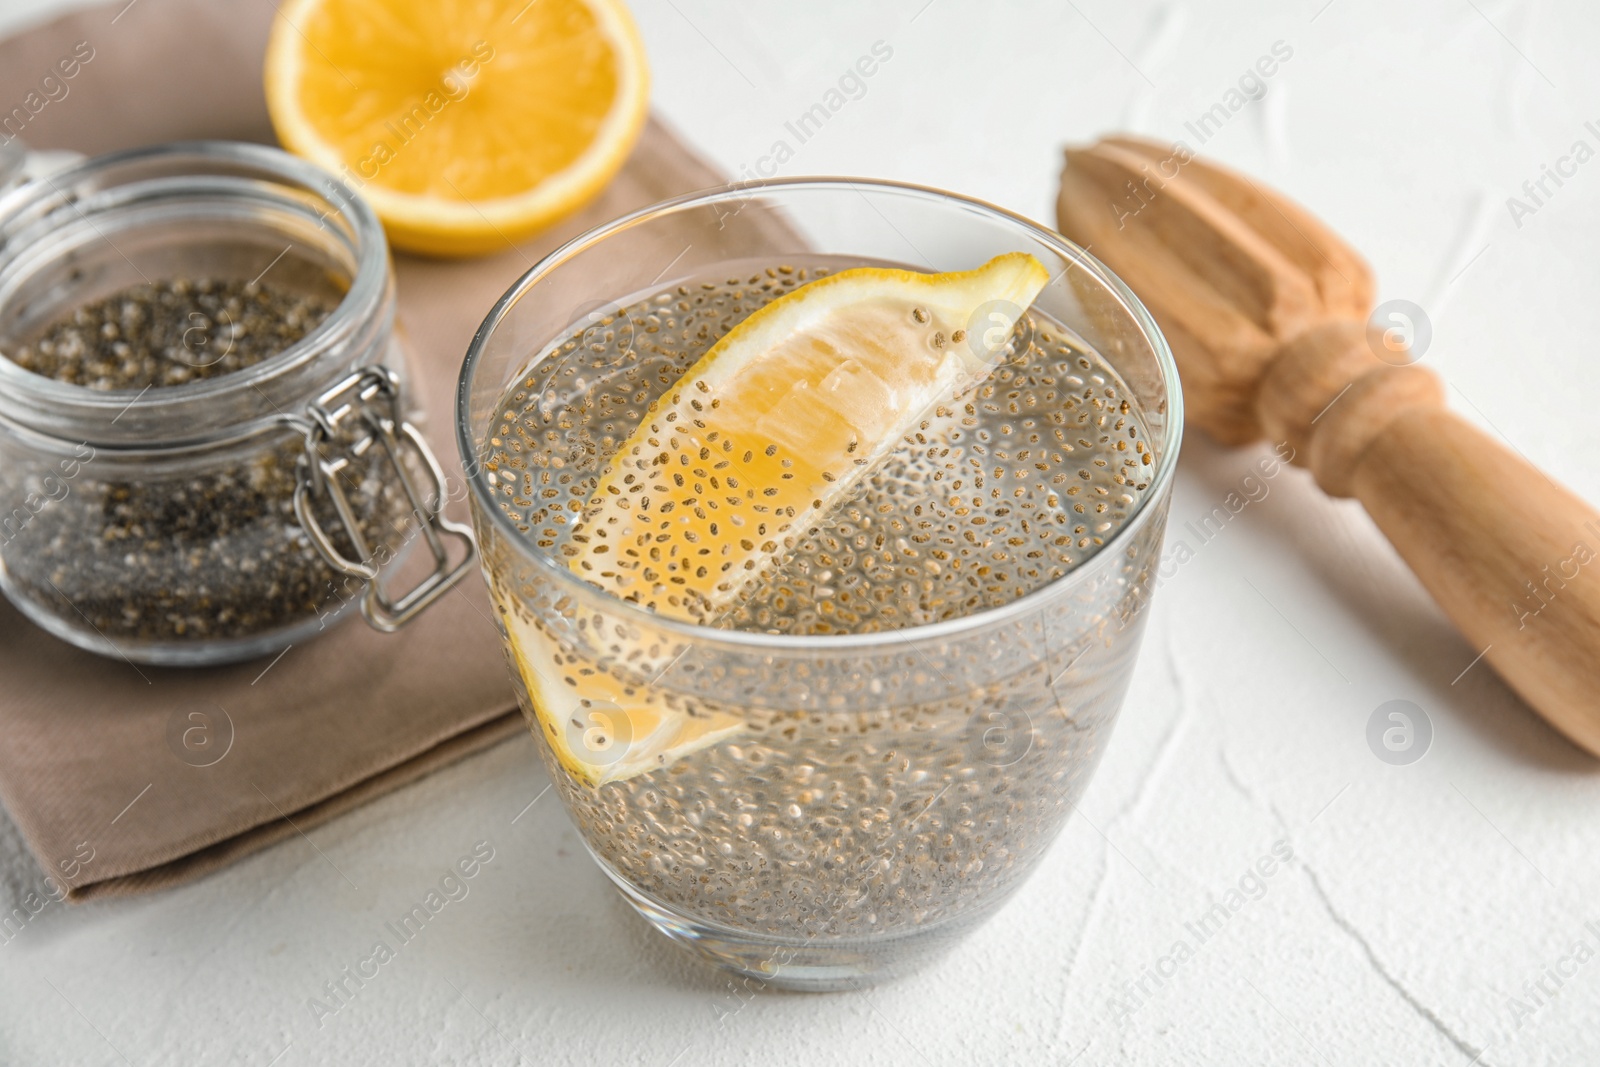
[799, 964]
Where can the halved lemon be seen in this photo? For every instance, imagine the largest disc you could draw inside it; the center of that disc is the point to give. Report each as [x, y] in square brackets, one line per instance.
[773, 426]
[467, 125]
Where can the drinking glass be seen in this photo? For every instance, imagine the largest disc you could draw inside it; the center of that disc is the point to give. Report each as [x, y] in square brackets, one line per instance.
[890, 789]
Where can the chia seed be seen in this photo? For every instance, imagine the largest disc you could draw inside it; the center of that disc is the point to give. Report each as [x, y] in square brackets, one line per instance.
[172, 333]
[837, 812]
[154, 550]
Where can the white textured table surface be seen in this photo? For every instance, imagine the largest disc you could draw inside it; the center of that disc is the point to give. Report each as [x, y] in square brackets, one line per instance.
[1425, 904]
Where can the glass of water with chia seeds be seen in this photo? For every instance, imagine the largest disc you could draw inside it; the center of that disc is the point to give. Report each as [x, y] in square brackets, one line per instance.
[852, 763]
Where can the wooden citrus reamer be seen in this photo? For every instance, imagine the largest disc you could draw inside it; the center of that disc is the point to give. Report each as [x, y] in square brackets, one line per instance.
[1266, 310]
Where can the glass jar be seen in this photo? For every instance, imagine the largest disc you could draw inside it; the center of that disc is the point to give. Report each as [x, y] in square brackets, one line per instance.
[229, 516]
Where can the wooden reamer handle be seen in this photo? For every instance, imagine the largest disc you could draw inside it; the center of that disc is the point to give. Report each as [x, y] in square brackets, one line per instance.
[1266, 310]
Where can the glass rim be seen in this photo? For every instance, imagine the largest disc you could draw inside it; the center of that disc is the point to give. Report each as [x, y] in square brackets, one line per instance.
[760, 641]
[256, 163]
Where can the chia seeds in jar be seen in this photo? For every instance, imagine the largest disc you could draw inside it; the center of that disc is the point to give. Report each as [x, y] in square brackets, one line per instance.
[199, 357]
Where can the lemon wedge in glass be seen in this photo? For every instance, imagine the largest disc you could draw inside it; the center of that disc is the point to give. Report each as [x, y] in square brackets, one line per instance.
[781, 419]
[771, 428]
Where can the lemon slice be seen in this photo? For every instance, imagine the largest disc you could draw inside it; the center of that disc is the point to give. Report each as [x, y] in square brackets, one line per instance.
[782, 418]
[600, 728]
[467, 126]
[775, 424]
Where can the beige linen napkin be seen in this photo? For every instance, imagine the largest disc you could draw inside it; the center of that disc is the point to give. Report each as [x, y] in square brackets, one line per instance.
[86, 768]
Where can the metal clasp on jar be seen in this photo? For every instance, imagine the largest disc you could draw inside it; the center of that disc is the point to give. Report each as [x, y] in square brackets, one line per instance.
[371, 396]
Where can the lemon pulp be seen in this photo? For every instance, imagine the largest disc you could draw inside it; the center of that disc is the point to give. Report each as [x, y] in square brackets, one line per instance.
[466, 125]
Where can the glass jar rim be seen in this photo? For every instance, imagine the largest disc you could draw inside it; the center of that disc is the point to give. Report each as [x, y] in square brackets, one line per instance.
[758, 641]
[229, 163]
